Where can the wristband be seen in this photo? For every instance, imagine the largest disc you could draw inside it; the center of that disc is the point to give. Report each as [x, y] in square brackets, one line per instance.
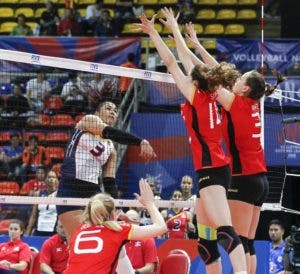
[120, 136]
[110, 187]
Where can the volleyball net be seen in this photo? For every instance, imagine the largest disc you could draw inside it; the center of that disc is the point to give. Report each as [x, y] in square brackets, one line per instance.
[62, 90]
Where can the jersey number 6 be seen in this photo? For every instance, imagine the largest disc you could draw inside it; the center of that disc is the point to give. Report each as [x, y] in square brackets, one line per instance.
[83, 237]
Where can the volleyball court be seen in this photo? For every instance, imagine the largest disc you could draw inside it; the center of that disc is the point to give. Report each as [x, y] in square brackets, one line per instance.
[145, 110]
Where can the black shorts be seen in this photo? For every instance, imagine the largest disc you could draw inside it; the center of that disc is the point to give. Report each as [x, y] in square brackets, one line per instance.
[213, 176]
[74, 188]
[252, 189]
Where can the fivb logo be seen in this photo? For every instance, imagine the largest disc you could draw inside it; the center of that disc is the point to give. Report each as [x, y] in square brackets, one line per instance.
[94, 67]
[35, 58]
[147, 74]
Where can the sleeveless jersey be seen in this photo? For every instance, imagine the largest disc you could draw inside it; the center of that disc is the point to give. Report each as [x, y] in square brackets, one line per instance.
[177, 224]
[85, 155]
[203, 124]
[242, 131]
[94, 249]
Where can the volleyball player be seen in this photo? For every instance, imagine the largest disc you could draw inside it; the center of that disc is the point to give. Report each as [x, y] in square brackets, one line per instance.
[249, 187]
[212, 166]
[90, 154]
[96, 244]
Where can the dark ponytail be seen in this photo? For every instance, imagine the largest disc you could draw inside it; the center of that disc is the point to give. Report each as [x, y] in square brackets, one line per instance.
[269, 89]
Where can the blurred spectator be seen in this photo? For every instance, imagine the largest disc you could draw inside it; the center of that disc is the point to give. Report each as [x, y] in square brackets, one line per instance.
[105, 25]
[21, 29]
[69, 25]
[34, 186]
[277, 246]
[93, 12]
[54, 253]
[74, 94]
[37, 89]
[272, 8]
[125, 81]
[124, 12]
[11, 157]
[43, 217]
[17, 103]
[179, 221]
[15, 255]
[49, 20]
[294, 70]
[186, 186]
[142, 254]
[186, 11]
[34, 156]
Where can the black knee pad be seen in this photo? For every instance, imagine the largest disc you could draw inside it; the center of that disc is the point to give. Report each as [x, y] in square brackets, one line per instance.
[244, 241]
[208, 250]
[251, 247]
[227, 238]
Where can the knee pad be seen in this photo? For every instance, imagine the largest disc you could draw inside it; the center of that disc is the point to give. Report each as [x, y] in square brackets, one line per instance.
[251, 247]
[227, 238]
[244, 241]
[208, 250]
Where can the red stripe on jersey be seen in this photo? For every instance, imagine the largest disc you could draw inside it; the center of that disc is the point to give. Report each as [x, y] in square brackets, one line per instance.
[203, 124]
[241, 130]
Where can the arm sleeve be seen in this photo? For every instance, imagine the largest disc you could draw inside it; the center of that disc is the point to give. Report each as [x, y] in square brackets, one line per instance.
[25, 253]
[45, 253]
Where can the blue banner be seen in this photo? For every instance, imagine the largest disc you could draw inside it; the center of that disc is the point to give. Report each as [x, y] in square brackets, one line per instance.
[246, 53]
[106, 50]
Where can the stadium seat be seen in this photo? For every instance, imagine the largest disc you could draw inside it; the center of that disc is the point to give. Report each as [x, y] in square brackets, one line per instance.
[61, 136]
[147, 2]
[247, 2]
[149, 12]
[28, 1]
[32, 25]
[82, 12]
[177, 261]
[55, 152]
[53, 103]
[9, 1]
[227, 2]
[28, 12]
[214, 29]
[40, 134]
[86, 2]
[61, 12]
[109, 2]
[226, 14]
[209, 44]
[129, 28]
[234, 29]
[4, 225]
[34, 267]
[6, 12]
[38, 12]
[170, 43]
[78, 118]
[208, 2]
[44, 119]
[167, 2]
[62, 120]
[206, 14]
[247, 14]
[198, 28]
[9, 187]
[4, 136]
[7, 27]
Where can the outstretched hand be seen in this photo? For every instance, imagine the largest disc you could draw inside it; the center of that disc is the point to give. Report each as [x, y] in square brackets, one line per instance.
[191, 34]
[147, 152]
[146, 196]
[146, 25]
[171, 19]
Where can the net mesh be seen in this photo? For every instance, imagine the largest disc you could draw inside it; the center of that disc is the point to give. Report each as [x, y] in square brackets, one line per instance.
[149, 109]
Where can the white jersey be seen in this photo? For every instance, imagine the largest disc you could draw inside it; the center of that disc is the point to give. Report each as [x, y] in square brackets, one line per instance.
[47, 216]
[85, 156]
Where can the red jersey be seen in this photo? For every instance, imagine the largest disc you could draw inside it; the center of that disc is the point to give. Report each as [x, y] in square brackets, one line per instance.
[177, 224]
[242, 131]
[55, 253]
[203, 124]
[14, 252]
[94, 249]
[141, 252]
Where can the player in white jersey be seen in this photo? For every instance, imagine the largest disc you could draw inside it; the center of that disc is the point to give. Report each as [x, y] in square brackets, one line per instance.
[89, 155]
